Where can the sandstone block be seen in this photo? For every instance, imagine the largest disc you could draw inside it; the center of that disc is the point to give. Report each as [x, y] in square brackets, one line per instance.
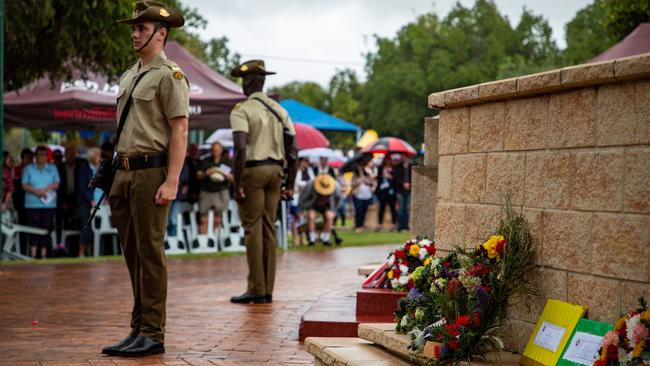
[535, 220]
[525, 123]
[567, 242]
[642, 108]
[468, 179]
[539, 83]
[423, 209]
[453, 134]
[450, 221]
[621, 120]
[481, 221]
[588, 74]
[632, 67]
[505, 175]
[548, 179]
[461, 96]
[486, 125]
[431, 141]
[597, 182]
[636, 194]
[552, 284]
[600, 295]
[571, 118]
[436, 100]
[622, 246]
[445, 168]
[515, 335]
[630, 292]
[497, 89]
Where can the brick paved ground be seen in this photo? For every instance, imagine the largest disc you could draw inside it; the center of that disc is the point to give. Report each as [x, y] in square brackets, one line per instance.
[82, 307]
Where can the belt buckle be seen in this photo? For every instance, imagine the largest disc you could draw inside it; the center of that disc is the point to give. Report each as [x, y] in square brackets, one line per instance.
[125, 163]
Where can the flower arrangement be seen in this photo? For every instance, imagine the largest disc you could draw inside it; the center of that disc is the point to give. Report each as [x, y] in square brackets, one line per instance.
[396, 272]
[458, 302]
[629, 343]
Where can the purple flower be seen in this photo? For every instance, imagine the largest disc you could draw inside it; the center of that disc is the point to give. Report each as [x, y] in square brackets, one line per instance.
[414, 294]
[444, 350]
[482, 298]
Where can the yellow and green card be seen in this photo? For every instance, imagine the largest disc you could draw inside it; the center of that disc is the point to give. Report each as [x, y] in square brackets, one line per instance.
[583, 346]
[552, 332]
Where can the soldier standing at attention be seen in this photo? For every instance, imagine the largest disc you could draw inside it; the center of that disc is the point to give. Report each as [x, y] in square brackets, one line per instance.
[155, 94]
[260, 155]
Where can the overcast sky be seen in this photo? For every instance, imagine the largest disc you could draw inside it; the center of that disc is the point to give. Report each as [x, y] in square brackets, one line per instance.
[307, 40]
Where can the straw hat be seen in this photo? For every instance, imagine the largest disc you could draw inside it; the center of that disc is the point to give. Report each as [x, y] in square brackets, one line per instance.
[324, 184]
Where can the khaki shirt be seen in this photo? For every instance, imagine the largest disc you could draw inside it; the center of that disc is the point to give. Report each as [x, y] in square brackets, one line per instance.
[161, 95]
[263, 128]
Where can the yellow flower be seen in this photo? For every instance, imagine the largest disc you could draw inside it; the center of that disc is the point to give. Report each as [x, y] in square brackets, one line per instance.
[620, 323]
[427, 261]
[414, 250]
[491, 245]
[645, 315]
[390, 275]
[636, 352]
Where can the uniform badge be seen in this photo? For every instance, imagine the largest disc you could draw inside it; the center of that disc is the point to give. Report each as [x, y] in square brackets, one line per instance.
[237, 106]
[178, 75]
[244, 68]
[164, 12]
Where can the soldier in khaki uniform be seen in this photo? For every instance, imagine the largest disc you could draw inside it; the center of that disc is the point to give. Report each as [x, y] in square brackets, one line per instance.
[257, 125]
[151, 150]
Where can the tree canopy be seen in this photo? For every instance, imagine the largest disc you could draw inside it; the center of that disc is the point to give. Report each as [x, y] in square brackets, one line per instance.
[54, 37]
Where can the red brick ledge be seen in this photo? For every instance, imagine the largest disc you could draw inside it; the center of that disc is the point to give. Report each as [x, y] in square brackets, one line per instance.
[571, 77]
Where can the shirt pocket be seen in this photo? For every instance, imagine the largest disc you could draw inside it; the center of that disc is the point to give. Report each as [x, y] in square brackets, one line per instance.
[144, 94]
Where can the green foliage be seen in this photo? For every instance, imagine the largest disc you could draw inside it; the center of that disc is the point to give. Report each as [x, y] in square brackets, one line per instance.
[54, 37]
[586, 34]
[625, 15]
[310, 93]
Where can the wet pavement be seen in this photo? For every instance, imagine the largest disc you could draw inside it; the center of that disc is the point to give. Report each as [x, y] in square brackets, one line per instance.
[82, 307]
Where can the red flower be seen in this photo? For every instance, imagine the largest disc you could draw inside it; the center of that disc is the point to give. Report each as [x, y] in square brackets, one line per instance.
[487, 289]
[400, 254]
[451, 330]
[612, 352]
[463, 321]
[439, 336]
[396, 273]
[431, 249]
[453, 344]
[436, 351]
[500, 246]
[446, 264]
[600, 363]
[407, 247]
[410, 284]
[477, 319]
[454, 286]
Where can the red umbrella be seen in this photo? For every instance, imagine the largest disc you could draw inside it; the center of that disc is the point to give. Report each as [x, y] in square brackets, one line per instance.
[308, 137]
[387, 145]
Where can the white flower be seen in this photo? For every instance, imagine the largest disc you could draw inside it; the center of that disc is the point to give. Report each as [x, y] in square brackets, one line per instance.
[425, 242]
[403, 280]
[391, 260]
[423, 253]
[631, 324]
[394, 283]
[404, 269]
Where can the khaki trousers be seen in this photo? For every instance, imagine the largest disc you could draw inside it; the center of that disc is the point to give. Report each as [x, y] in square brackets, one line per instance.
[262, 188]
[141, 226]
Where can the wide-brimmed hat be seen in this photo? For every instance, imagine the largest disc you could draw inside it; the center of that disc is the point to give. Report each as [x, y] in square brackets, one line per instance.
[250, 67]
[324, 184]
[154, 11]
[217, 176]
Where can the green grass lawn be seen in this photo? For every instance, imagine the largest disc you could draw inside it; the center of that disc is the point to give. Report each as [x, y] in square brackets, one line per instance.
[350, 239]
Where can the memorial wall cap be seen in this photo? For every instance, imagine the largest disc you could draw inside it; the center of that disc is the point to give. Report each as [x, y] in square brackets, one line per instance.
[154, 11]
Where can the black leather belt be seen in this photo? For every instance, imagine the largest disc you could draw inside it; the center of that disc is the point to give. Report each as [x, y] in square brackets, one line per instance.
[254, 163]
[137, 162]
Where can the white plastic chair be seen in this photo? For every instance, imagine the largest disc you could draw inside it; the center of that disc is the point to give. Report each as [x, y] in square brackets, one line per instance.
[10, 233]
[232, 232]
[102, 225]
[176, 244]
[207, 243]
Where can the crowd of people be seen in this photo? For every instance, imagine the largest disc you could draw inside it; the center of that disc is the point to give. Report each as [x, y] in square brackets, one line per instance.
[323, 191]
[48, 189]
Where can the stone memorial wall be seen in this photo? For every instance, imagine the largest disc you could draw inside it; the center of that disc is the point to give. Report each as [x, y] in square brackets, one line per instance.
[572, 148]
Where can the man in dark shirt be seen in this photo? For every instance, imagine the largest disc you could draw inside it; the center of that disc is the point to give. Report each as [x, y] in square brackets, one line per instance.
[213, 174]
[67, 215]
[402, 181]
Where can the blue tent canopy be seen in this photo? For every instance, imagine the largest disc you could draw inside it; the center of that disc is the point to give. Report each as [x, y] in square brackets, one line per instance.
[318, 119]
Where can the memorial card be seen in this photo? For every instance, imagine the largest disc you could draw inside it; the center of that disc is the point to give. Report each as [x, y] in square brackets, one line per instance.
[583, 345]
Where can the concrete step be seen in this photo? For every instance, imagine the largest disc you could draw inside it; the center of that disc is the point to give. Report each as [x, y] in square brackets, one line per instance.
[335, 317]
[350, 352]
[385, 335]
